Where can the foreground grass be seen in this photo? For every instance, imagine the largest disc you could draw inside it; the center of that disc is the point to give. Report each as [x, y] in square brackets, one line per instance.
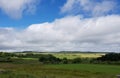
[34, 69]
[93, 68]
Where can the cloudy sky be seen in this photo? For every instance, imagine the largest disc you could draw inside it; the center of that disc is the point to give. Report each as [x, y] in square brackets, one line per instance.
[60, 25]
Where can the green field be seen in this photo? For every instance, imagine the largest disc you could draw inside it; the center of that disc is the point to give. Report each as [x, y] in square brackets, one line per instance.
[33, 69]
[30, 67]
[72, 55]
[75, 55]
[93, 68]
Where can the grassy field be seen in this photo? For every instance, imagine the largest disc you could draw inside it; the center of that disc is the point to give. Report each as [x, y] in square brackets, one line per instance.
[72, 55]
[33, 69]
[75, 55]
[93, 68]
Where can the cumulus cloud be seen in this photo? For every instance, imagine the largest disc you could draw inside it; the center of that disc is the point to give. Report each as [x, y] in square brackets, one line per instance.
[16, 8]
[89, 6]
[68, 33]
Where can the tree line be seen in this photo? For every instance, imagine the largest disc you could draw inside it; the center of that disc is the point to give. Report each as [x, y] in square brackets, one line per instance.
[109, 58]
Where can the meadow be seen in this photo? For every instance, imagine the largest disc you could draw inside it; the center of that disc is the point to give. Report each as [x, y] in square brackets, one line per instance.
[78, 55]
[71, 55]
[37, 70]
[32, 68]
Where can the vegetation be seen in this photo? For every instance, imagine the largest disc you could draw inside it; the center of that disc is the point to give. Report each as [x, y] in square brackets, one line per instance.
[38, 70]
[110, 57]
[40, 65]
[49, 59]
[77, 55]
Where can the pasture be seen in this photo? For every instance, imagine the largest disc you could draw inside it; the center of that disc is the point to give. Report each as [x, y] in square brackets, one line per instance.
[29, 68]
[78, 55]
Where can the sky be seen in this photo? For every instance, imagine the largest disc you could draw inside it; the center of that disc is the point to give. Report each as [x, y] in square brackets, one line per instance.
[60, 25]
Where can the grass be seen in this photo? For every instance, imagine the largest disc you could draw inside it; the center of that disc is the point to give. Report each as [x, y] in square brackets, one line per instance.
[37, 70]
[74, 55]
[32, 68]
[108, 69]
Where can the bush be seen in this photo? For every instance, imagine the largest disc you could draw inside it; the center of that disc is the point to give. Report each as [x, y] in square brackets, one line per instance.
[5, 59]
[76, 60]
[110, 57]
[49, 59]
[64, 61]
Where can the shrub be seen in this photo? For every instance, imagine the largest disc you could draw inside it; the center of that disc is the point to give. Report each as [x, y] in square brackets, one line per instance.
[110, 57]
[76, 60]
[49, 59]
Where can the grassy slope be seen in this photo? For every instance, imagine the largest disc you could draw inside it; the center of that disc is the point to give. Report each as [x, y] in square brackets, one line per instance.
[81, 55]
[72, 55]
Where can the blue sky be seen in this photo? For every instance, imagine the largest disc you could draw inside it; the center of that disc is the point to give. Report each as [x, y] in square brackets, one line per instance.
[57, 25]
[46, 11]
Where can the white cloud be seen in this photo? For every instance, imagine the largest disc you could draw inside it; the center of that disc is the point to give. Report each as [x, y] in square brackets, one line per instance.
[103, 8]
[16, 8]
[89, 6]
[68, 33]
